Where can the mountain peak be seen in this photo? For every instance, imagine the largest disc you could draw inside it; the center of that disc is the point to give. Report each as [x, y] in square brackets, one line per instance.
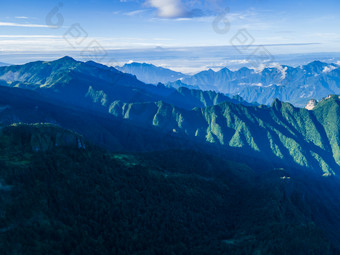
[317, 62]
[277, 104]
[315, 66]
[225, 69]
[66, 59]
[243, 70]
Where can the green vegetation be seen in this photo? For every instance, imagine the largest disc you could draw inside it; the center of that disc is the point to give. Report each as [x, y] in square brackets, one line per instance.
[270, 187]
[283, 133]
[280, 133]
[68, 200]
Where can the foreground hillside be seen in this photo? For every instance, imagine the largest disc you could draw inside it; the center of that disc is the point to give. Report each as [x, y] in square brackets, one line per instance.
[71, 199]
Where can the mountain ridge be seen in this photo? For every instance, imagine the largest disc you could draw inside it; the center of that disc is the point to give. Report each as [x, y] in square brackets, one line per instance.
[294, 84]
[281, 132]
[81, 82]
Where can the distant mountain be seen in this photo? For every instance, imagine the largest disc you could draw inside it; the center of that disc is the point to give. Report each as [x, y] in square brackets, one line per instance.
[82, 84]
[4, 64]
[151, 74]
[295, 85]
[179, 84]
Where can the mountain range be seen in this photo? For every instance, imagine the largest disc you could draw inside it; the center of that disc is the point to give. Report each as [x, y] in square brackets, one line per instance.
[281, 132]
[296, 85]
[282, 160]
[84, 83]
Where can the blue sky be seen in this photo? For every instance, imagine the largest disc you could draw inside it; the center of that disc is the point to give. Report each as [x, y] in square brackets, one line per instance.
[32, 26]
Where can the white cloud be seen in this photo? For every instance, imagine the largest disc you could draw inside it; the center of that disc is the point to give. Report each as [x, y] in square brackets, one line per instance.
[133, 13]
[21, 17]
[30, 36]
[281, 69]
[328, 69]
[51, 43]
[238, 61]
[11, 24]
[169, 8]
[259, 68]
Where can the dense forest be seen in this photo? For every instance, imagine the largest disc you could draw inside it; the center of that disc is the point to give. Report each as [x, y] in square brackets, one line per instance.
[73, 199]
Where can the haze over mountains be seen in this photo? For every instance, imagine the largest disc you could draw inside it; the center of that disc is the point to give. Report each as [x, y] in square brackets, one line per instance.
[149, 73]
[296, 85]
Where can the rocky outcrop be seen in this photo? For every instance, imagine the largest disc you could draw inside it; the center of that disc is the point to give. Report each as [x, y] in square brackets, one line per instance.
[42, 137]
[311, 104]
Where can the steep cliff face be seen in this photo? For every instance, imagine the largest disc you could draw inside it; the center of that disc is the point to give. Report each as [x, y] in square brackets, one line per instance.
[41, 137]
